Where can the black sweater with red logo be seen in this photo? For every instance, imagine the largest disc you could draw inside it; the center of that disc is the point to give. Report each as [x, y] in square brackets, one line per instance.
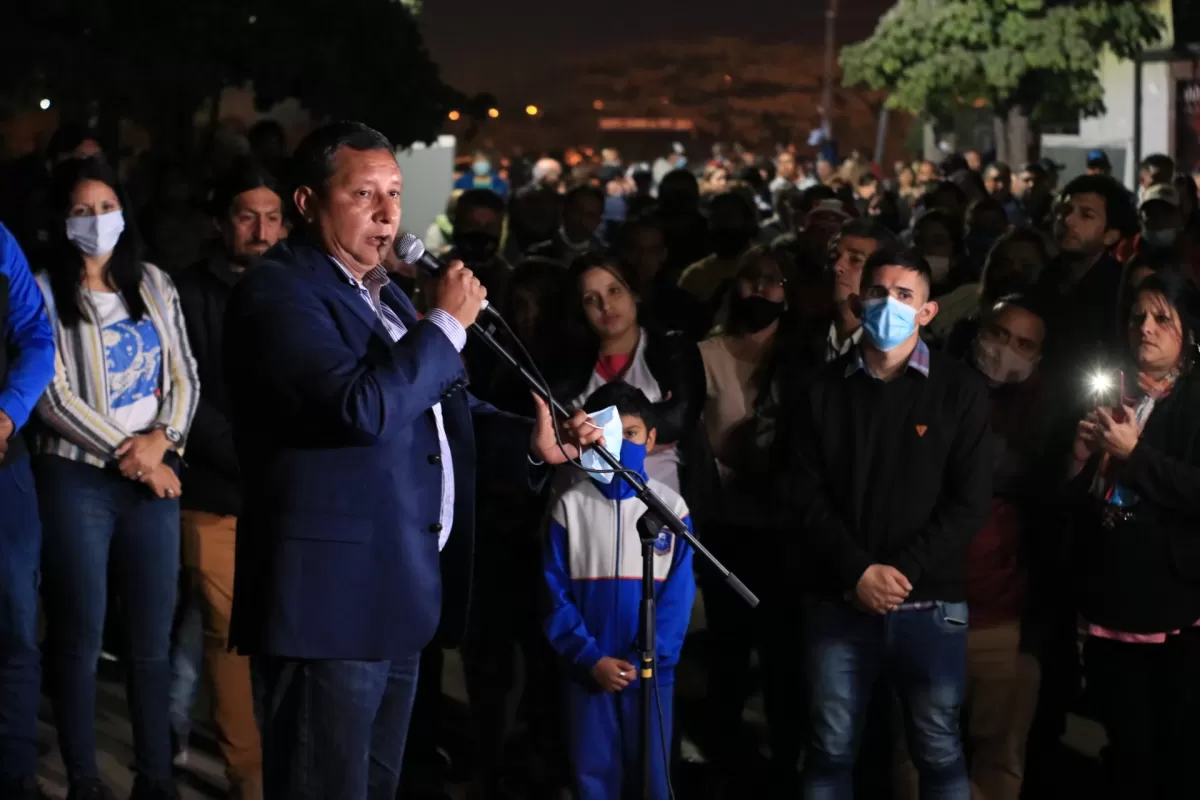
[897, 473]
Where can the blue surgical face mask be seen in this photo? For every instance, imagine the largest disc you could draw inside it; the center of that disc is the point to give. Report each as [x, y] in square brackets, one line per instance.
[96, 235]
[481, 167]
[608, 421]
[1160, 240]
[887, 322]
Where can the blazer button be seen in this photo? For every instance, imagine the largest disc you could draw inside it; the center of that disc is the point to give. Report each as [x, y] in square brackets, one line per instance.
[435, 460]
[435, 527]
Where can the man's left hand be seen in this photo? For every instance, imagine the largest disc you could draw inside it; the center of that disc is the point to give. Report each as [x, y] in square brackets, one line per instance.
[577, 433]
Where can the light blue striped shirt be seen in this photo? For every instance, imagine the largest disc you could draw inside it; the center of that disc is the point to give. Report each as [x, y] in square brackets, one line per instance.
[369, 288]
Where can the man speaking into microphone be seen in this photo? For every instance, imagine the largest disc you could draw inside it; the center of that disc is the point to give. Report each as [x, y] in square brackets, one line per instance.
[357, 440]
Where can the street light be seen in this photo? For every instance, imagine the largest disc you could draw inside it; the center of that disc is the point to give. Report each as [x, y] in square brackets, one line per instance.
[493, 112]
[531, 110]
[454, 116]
[45, 104]
[598, 105]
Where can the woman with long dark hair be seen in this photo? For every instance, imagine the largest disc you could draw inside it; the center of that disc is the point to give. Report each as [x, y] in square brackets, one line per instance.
[609, 342]
[1135, 472]
[114, 417]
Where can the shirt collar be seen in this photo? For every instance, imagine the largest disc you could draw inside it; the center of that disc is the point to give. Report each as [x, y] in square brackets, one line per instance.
[842, 347]
[373, 281]
[919, 360]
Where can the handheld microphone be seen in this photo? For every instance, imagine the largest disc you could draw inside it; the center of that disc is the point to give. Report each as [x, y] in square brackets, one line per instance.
[411, 250]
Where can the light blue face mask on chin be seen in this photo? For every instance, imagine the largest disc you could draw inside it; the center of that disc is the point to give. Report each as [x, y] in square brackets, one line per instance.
[608, 421]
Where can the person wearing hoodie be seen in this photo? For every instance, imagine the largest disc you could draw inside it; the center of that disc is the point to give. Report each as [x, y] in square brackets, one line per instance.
[593, 573]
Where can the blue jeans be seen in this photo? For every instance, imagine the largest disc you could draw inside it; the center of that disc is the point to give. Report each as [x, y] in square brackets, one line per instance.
[187, 661]
[96, 523]
[20, 670]
[922, 653]
[335, 730]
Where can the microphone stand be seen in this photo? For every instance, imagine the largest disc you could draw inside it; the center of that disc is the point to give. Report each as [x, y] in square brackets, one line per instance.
[657, 517]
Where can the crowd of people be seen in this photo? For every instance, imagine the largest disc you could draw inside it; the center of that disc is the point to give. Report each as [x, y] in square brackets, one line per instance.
[939, 421]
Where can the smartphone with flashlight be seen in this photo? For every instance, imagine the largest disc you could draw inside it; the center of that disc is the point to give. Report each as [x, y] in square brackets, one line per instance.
[1108, 391]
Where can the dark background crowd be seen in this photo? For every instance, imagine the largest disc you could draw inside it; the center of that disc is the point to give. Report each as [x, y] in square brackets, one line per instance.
[719, 287]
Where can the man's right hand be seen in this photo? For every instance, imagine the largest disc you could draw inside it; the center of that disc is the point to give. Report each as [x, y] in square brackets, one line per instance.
[459, 293]
[881, 588]
[7, 429]
[612, 674]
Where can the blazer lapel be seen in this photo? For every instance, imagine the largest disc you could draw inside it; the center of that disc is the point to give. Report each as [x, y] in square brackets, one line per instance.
[396, 300]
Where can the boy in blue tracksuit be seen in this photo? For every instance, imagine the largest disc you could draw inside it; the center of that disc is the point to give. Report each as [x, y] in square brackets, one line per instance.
[593, 568]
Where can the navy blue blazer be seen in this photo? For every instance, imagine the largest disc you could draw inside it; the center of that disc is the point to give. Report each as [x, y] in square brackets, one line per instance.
[337, 544]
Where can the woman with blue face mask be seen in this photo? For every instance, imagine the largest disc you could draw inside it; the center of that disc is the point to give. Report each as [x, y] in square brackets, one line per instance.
[115, 418]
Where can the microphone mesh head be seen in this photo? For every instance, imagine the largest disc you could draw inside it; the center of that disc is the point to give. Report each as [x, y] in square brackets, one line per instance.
[409, 248]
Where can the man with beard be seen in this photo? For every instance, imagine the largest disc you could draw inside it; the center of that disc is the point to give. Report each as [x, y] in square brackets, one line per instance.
[1037, 195]
[1092, 215]
[248, 211]
[732, 228]
[997, 179]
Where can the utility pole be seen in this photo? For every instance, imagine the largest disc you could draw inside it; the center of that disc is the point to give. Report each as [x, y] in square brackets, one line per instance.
[831, 11]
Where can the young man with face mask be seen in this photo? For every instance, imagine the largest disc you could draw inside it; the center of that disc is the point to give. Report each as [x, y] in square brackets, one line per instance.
[1005, 561]
[1164, 240]
[582, 216]
[889, 479]
[482, 175]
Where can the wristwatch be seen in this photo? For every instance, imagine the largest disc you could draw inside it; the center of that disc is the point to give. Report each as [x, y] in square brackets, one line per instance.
[173, 435]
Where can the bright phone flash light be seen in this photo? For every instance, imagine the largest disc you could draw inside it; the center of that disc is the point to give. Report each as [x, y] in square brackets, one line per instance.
[1101, 383]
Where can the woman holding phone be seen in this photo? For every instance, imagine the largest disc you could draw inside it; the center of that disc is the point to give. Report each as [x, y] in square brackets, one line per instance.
[1135, 477]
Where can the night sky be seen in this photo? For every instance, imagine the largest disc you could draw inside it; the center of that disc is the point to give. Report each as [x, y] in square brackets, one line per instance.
[476, 39]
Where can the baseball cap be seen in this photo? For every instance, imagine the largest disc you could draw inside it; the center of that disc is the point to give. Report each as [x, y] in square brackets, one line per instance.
[1161, 193]
[827, 208]
[1098, 159]
[1050, 165]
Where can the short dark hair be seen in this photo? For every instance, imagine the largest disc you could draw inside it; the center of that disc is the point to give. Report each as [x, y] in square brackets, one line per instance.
[1159, 163]
[999, 166]
[742, 201]
[1035, 304]
[944, 188]
[629, 400]
[1036, 169]
[940, 216]
[244, 176]
[630, 228]
[312, 163]
[814, 195]
[583, 190]
[867, 179]
[1023, 234]
[954, 163]
[67, 137]
[896, 255]
[479, 198]
[1119, 213]
[867, 228]
[787, 198]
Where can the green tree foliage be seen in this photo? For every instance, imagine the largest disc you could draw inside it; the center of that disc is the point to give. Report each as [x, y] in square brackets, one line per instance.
[157, 62]
[1039, 56]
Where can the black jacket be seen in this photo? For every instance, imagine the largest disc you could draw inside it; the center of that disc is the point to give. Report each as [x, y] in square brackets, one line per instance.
[896, 473]
[1143, 574]
[674, 361]
[211, 478]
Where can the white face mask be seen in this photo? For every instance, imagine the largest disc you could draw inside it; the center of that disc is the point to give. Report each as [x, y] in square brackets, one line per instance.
[940, 265]
[1000, 363]
[98, 235]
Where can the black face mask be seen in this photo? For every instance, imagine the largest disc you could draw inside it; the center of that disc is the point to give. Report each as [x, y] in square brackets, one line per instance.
[752, 314]
[475, 247]
[730, 243]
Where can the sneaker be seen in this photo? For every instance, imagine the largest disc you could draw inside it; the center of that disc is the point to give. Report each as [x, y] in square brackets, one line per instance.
[90, 790]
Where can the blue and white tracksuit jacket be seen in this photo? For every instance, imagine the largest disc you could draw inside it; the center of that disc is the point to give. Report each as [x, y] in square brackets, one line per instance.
[593, 569]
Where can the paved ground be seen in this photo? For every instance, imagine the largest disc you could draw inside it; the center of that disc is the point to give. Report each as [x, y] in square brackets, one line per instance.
[1076, 766]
